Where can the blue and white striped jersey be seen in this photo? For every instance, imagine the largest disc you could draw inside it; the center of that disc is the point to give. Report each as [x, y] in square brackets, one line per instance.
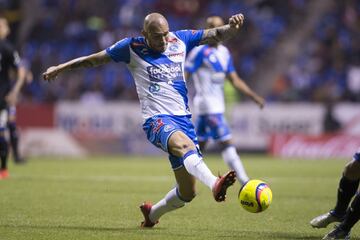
[159, 77]
[209, 67]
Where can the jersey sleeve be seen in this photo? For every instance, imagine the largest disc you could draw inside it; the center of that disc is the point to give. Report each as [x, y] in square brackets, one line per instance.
[191, 38]
[194, 60]
[120, 51]
[14, 59]
[230, 67]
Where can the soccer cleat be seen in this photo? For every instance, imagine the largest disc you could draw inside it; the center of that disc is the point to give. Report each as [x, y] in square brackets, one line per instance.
[145, 209]
[4, 174]
[324, 220]
[337, 233]
[222, 184]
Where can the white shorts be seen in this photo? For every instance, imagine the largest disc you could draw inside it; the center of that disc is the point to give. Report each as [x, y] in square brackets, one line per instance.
[3, 119]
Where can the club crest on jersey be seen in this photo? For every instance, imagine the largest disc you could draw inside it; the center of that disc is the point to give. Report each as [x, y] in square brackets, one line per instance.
[173, 48]
[167, 72]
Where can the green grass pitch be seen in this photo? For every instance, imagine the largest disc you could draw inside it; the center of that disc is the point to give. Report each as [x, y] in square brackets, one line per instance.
[98, 198]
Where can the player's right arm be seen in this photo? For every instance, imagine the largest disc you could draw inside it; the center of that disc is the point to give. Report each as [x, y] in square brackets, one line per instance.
[92, 60]
[225, 32]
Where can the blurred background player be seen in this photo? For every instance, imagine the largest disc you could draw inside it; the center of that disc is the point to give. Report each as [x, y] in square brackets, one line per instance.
[8, 95]
[12, 127]
[348, 216]
[210, 65]
[156, 62]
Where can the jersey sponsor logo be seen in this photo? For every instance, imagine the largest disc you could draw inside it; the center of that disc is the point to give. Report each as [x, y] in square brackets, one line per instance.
[154, 87]
[135, 44]
[168, 72]
[180, 54]
[144, 51]
[171, 40]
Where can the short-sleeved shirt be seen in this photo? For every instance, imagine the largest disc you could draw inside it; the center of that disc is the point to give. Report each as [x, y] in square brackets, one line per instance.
[209, 67]
[159, 77]
[9, 59]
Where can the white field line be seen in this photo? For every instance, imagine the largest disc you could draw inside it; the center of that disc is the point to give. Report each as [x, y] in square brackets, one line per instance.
[143, 178]
[94, 178]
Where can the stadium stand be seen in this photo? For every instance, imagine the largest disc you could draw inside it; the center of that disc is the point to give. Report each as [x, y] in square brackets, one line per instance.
[326, 65]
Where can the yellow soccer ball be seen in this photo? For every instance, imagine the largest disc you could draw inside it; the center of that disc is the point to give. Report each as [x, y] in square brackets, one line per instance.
[255, 196]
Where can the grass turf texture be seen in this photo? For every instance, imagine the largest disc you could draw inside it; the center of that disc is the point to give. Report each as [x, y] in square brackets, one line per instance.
[98, 198]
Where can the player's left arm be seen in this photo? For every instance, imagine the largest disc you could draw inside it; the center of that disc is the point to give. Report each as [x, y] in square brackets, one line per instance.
[222, 33]
[239, 84]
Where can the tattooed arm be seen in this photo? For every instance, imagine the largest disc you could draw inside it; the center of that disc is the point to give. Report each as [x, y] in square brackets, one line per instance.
[222, 33]
[87, 61]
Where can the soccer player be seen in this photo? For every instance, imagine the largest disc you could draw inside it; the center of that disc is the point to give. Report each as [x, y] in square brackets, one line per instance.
[13, 132]
[210, 65]
[156, 61]
[9, 60]
[343, 213]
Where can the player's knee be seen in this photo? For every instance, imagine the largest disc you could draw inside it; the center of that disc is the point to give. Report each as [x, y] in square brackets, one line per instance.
[180, 145]
[185, 145]
[352, 170]
[225, 144]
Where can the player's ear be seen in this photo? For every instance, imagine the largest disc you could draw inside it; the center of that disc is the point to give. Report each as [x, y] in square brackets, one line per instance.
[144, 33]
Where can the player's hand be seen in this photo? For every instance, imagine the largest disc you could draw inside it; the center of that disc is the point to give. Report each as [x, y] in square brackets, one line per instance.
[236, 21]
[51, 73]
[11, 98]
[260, 101]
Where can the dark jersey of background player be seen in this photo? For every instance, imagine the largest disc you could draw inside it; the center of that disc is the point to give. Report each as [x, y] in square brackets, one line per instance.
[9, 60]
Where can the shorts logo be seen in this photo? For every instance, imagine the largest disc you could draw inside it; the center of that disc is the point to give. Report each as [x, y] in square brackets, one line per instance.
[156, 125]
[168, 128]
[167, 72]
[154, 87]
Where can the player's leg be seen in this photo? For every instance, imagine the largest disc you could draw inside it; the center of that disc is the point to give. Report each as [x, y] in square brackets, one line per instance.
[220, 131]
[172, 200]
[14, 136]
[159, 130]
[348, 186]
[232, 159]
[183, 146]
[3, 144]
[202, 131]
[186, 162]
[342, 231]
